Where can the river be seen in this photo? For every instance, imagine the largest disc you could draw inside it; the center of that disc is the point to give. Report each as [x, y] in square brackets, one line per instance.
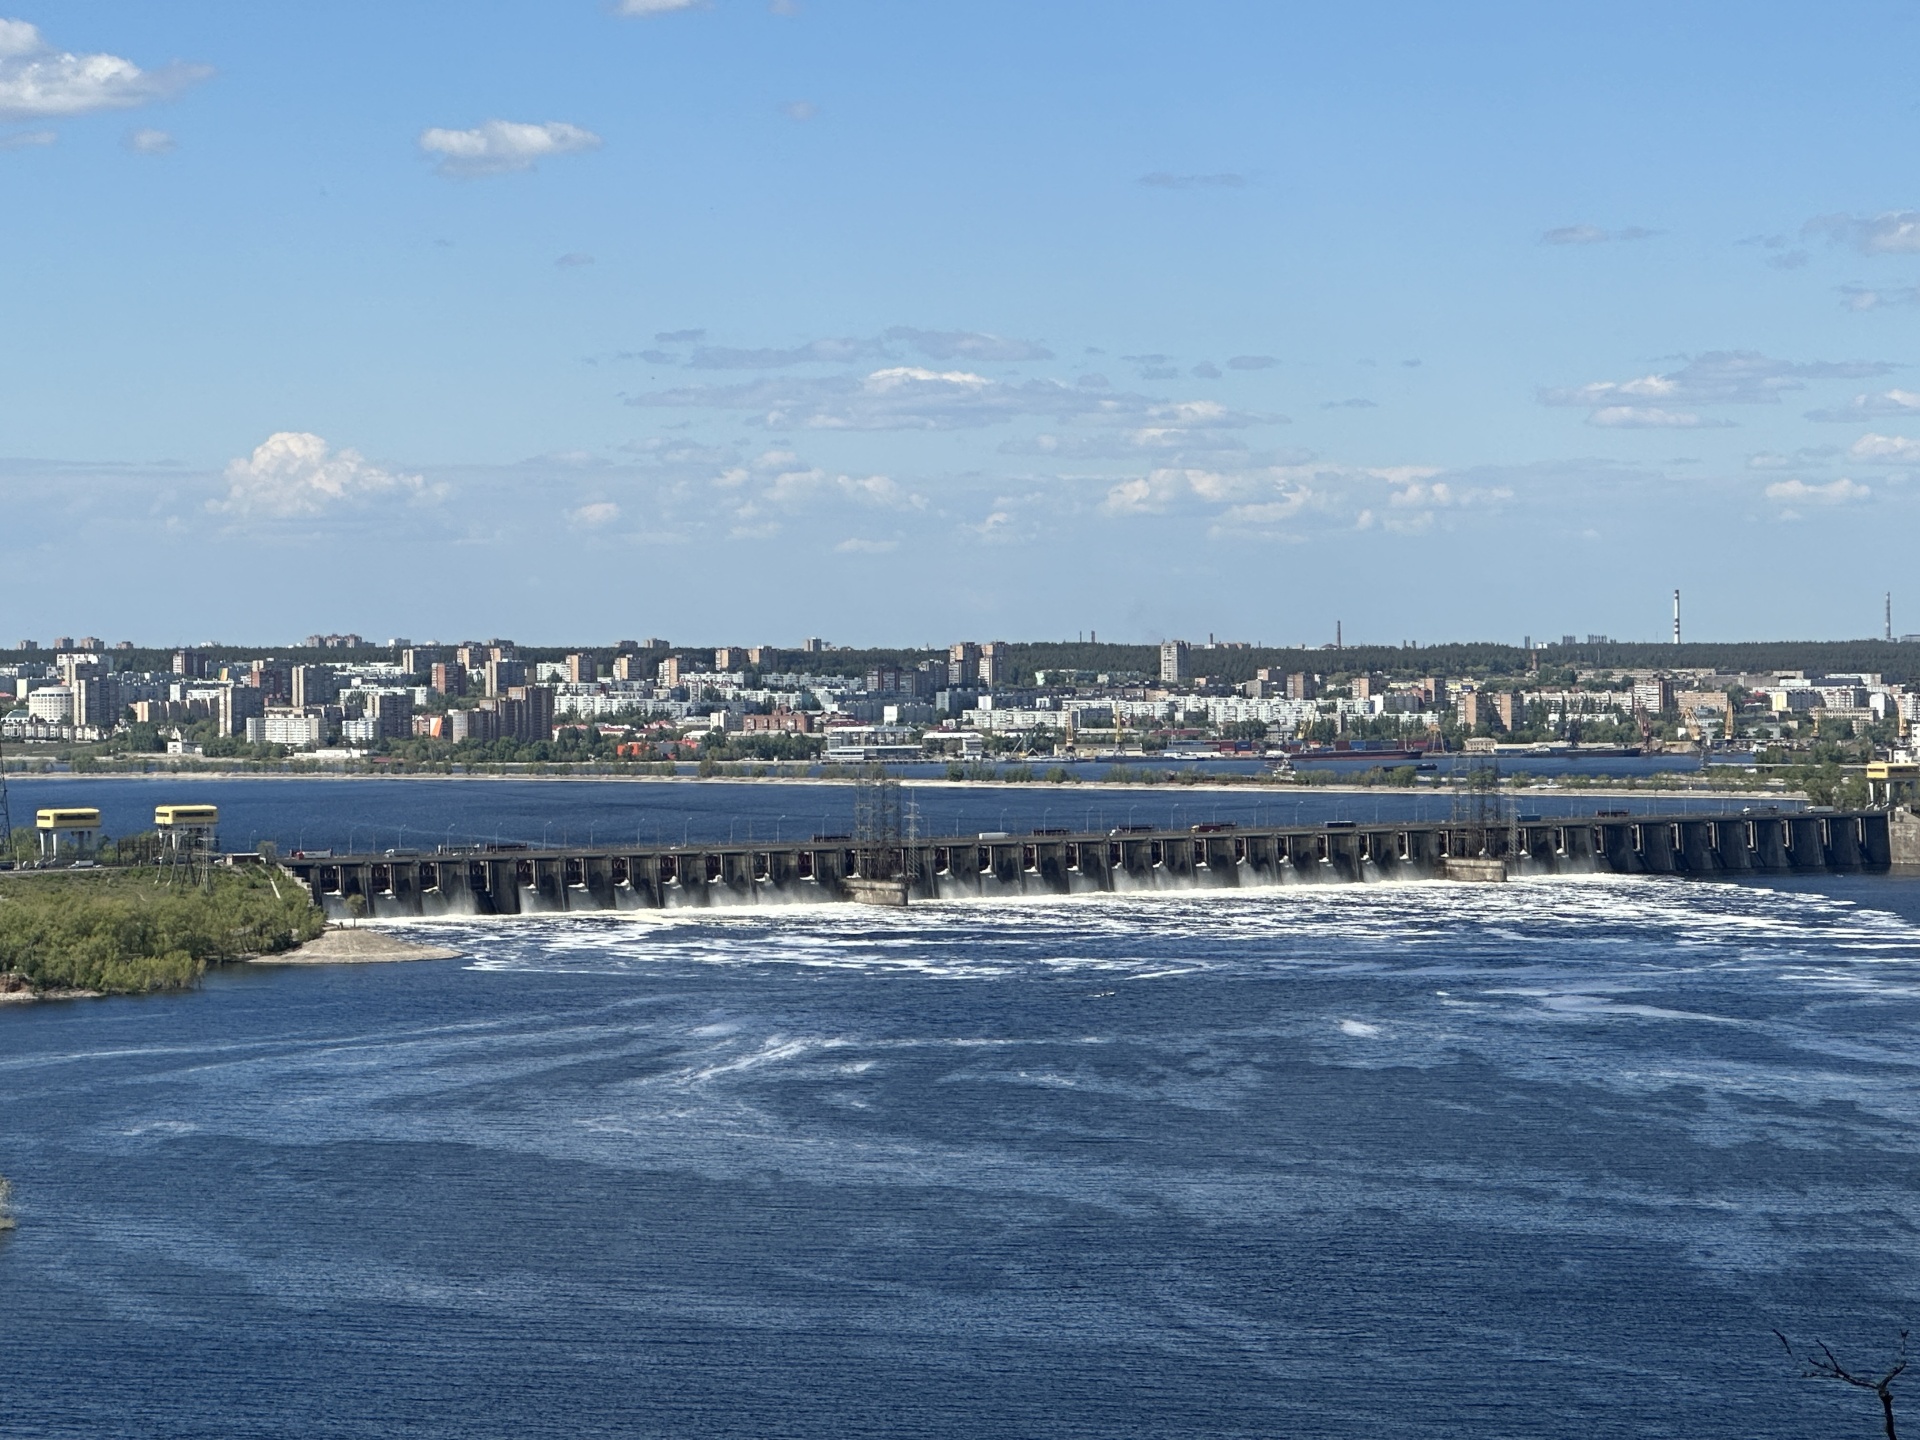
[1549, 1158]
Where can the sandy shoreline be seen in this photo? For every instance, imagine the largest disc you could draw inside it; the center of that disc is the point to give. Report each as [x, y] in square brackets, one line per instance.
[338, 945]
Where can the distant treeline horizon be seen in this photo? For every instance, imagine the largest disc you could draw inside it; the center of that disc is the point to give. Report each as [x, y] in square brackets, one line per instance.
[1898, 661]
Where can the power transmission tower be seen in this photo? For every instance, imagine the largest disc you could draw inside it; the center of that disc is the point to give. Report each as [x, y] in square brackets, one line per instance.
[876, 823]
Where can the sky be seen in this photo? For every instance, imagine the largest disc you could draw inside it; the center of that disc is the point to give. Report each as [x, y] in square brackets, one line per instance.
[903, 324]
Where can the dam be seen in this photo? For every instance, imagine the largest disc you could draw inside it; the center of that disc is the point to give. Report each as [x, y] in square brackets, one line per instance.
[523, 879]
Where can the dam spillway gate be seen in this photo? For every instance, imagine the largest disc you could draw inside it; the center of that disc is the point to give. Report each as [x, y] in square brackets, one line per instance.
[516, 880]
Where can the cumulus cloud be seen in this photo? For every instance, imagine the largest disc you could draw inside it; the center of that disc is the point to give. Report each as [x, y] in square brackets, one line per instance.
[1886, 449]
[291, 474]
[150, 142]
[1863, 407]
[1834, 492]
[38, 82]
[1592, 235]
[499, 147]
[1891, 232]
[1220, 180]
[1718, 377]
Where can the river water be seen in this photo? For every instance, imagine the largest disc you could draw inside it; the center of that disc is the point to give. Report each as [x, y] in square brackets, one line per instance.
[1544, 1159]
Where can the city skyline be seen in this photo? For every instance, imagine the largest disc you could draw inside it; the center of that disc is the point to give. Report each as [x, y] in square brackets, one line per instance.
[907, 323]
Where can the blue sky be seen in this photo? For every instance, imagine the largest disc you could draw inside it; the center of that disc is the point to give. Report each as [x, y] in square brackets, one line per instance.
[907, 323]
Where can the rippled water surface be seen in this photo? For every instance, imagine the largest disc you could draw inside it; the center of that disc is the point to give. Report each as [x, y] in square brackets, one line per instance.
[1541, 1159]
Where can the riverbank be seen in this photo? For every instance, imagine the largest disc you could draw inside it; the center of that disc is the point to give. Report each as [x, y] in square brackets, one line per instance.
[68, 934]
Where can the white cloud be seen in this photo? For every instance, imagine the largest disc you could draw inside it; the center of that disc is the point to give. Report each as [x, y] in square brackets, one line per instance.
[650, 8]
[292, 474]
[501, 146]
[1861, 407]
[1834, 492]
[1892, 232]
[857, 546]
[1647, 417]
[1718, 377]
[38, 82]
[27, 139]
[800, 110]
[915, 397]
[1886, 449]
[600, 512]
[150, 142]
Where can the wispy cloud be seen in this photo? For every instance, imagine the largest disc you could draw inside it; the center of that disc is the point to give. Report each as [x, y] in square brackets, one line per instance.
[1593, 235]
[973, 345]
[1252, 362]
[1891, 232]
[1650, 417]
[1352, 402]
[38, 82]
[150, 142]
[573, 260]
[914, 397]
[1834, 492]
[1719, 377]
[1860, 297]
[595, 515]
[1885, 449]
[500, 147]
[1867, 407]
[800, 110]
[28, 139]
[647, 9]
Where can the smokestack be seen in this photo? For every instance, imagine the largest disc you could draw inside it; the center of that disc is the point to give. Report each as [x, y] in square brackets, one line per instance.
[1676, 617]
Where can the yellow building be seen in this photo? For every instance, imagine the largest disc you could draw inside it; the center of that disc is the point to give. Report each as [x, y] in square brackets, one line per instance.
[72, 833]
[1892, 782]
[187, 827]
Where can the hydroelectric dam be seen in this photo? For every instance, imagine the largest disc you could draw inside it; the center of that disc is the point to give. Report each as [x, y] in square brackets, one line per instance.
[518, 880]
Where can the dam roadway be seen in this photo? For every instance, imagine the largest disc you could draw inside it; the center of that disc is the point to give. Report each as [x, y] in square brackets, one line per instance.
[515, 880]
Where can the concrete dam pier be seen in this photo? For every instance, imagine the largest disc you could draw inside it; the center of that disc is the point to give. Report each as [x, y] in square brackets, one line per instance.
[516, 880]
